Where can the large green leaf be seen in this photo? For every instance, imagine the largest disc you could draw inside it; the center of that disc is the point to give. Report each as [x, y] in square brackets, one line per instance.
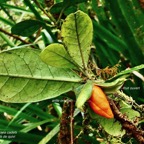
[77, 31]
[25, 78]
[57, 56]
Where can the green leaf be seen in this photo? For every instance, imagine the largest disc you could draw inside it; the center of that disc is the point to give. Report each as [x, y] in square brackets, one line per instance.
[115, 83]
[32, 126]
[111, 126]
[57, 56]
[74, 1]
[18, 113]
[58, 109]
[25, 78]
[4, 1]
[50, 135]
[129, 25]
[26, 28]
[58, 7]
[8, 22]
[25, 138]
[128, 111]
[84, 95]
[13, 111]
[113, 86]
[39, 17]
[129, 70]
[77, 31]
[113, 41]
[16, 8]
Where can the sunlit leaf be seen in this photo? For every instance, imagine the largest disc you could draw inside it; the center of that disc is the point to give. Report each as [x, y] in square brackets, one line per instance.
[25, 78]
[77, 32]
[57, 56]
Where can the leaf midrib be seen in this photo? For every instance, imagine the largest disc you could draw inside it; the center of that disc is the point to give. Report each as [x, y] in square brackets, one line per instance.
[41, 78]
[78, 40]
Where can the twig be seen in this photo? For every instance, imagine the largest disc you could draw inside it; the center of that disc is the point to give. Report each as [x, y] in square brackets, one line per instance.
[127, 124]
[122, 95]
[47, 14]
[79, 134]
[61, 13]
[15, 36]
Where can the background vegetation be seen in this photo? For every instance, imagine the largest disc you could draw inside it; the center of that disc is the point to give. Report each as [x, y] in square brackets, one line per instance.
[118, 38]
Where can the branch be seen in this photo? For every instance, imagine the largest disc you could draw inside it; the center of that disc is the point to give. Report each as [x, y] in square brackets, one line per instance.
[15, 36]
[127, 124]
[65, 135]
